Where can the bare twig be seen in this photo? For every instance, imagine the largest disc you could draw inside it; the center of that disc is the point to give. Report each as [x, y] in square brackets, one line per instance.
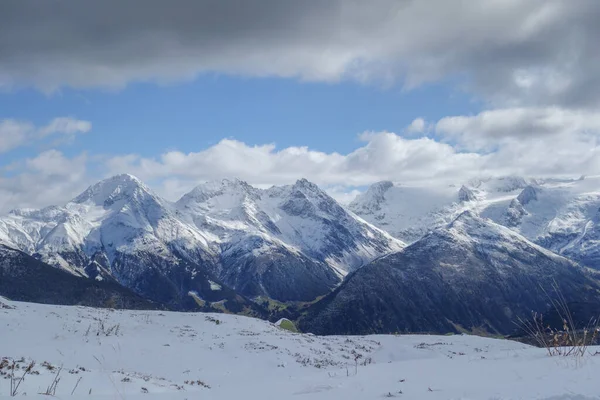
[51, 390]
[77, 384]
[16, 382]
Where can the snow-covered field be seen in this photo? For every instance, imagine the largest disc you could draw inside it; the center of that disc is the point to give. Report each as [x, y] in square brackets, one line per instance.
[151, 354]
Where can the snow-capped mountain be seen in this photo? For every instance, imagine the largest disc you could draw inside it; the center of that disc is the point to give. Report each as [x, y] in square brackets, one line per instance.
[406, 212]
[561, 215]
[288, 243]
[291, 243]
[471, 274]
[409, 212]
[119, 229]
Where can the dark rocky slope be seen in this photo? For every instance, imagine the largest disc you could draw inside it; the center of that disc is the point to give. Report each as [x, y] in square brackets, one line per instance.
[472, 274]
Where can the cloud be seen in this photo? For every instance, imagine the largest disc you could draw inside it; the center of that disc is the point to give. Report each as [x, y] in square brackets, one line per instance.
[66, 126]
[489, 129]
[47, 179]
[342, 194]
[538, 52]
[532, 142]
[14, 133]
[418, 125]
[563, 143]
[383, 155]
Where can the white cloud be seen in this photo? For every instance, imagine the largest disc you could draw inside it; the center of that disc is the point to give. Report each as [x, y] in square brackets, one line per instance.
[342, 194]
[489, 129]
[538, 142]
[47, 179]
[535, 142]
[14, 133]
[66, 126]
[418, 125]
[383, 154]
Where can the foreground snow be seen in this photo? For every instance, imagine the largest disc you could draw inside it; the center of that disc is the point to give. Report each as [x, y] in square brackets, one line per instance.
[131, 354]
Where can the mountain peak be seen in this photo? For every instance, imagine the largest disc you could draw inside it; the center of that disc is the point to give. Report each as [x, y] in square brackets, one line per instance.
[373, 197]
[377, 190]
[208, 190]
[466, 194]
[499, 184]
[470, 228]
[304, 183]
[112, 189]
[381, 186]
[528, 195]
[127, 178]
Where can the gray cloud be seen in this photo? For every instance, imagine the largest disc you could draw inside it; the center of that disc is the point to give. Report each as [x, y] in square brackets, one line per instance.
[492, 128]
[527, 52]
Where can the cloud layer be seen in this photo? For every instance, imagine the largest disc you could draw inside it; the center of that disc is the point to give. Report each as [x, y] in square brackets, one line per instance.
[563, 144]
[14, 133]
[557, 151]
[492, 128]
[540, 52]
[538, 143]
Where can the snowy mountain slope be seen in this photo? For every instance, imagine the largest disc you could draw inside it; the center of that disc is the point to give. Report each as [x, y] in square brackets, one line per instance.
[564, 216]
[25, 278]
[116, 216]
[471, 274]
[561, 215]
[409, 212]
[403, 211]
[165, 355]
[288, 243]
[119, 229]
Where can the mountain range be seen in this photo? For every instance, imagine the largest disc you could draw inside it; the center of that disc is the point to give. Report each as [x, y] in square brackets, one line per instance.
[479, 254]
[289, 243]
[562, 215]
[470, 275]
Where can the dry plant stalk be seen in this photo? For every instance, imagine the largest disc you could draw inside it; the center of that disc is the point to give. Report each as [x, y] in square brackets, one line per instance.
[568, 341]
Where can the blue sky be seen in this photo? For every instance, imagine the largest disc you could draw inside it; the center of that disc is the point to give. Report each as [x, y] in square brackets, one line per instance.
[149, 119]
[343, 93]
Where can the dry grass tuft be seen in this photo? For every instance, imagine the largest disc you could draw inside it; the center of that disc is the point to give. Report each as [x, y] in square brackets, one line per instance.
[569, 340]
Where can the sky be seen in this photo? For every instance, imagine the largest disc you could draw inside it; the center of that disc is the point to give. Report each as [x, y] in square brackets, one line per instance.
[343, 93]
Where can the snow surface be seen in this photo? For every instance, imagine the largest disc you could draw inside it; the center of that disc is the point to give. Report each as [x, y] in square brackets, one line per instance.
[233, 357]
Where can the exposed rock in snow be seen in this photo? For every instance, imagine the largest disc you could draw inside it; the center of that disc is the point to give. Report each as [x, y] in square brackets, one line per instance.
[472, 274]
[466, 194]
[514, 214]
[527, 195]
